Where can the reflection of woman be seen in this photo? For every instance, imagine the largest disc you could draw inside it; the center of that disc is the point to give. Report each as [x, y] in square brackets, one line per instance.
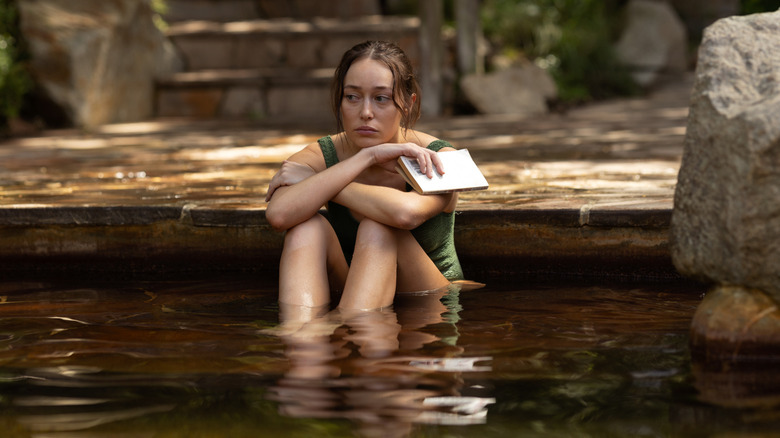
[380, 237]
[365, 365]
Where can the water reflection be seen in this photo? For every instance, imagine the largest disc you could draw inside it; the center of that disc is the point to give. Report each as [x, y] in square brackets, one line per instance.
[384, 369]
[208, 358]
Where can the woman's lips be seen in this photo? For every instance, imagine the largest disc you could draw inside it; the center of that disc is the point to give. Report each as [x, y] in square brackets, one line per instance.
[366, 130]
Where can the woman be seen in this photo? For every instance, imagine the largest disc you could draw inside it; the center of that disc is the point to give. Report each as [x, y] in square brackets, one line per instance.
[380, 237]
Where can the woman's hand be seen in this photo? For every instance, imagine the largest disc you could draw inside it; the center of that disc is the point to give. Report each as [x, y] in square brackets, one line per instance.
[290, 173]
[386, 154]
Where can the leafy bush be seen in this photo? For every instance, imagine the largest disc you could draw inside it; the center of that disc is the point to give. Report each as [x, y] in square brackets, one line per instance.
[572, 39]
[15, 81]
[756, 6]
[160, 8]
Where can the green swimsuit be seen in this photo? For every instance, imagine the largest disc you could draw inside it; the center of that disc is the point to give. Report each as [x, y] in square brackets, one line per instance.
[435, 236]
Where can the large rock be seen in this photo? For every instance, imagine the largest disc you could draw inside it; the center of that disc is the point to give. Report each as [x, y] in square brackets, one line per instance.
[726, 221]
[97, 58]
[522, 90]
[654, 43]
[737, 323]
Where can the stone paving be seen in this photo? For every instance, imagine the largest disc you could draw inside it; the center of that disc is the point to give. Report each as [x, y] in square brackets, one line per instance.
[589, 190]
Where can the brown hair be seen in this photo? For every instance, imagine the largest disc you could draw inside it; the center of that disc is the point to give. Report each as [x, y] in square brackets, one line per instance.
[404, 82]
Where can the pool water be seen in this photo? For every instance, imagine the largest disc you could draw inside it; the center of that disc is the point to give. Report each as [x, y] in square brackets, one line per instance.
[210, 358]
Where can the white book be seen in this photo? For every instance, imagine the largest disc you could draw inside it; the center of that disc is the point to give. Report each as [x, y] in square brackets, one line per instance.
[460, 174]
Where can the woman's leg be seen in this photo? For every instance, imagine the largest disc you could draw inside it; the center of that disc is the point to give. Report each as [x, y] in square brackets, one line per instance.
[387, 260]
[312, 263]
[371, 279]
[416, 271]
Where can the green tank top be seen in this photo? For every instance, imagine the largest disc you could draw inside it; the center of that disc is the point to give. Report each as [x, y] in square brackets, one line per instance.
[436, 235]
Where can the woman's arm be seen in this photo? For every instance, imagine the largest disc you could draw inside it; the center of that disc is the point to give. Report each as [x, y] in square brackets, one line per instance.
[390, 206]
[405, 210]
[297, 198]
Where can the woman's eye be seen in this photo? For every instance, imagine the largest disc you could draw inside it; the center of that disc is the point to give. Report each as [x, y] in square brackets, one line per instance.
[351, 97]
[382, 99]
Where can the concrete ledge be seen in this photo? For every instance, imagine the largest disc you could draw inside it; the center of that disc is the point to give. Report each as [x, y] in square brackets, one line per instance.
[43, 216]
[316, 27]
[491, 243]
[507, 243]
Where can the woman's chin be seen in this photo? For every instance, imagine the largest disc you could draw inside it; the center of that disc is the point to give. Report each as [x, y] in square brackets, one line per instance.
[365, 141]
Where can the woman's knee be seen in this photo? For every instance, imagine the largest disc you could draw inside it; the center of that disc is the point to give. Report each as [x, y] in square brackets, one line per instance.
[310, 231]
[377, 232]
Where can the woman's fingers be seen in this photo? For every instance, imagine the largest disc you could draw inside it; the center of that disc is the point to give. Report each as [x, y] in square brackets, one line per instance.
[289, 173]
[270, 193]
[429, 161]
[272, 186]
[428, 168]
[437, 162]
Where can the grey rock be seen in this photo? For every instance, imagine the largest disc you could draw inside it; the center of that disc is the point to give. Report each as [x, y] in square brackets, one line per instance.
[523, 90]
[726, 220]
[97, 58]
[654, 42]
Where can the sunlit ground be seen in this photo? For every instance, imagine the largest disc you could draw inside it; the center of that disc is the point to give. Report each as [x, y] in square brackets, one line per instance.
[614, 151]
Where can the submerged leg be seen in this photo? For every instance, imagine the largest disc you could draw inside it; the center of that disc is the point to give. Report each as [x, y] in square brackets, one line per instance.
[311, 263]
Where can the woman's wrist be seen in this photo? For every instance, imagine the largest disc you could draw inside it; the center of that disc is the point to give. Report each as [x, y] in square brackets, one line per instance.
[366, 157]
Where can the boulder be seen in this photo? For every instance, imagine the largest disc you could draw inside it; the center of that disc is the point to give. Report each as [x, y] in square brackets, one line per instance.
[654, 42]
[737, 323]
[725, 225]
[522, 90]
[97, 58]
[726, 220]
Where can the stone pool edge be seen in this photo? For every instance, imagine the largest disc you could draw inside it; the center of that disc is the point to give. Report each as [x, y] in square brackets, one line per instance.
[587, 241]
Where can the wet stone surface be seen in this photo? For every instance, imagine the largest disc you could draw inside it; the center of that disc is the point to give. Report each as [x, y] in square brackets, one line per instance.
[586, 192]
[617, 155]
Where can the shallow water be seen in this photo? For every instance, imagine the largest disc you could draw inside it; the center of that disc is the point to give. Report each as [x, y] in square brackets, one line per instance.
[205, 358]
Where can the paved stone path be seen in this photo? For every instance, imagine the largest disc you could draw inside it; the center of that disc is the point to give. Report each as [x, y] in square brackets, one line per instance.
[562, 186]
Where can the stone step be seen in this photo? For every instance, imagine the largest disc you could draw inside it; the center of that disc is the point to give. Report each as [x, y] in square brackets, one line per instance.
[247, 93]
[285, 42]
[278, 69]
[235, 10]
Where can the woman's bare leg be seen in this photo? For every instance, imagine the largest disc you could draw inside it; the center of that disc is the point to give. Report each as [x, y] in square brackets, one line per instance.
[311, 263]
[387, 260]
[416, 271]
[371, 279]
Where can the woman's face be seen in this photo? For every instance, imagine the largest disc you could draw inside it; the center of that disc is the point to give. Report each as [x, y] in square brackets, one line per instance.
[368, 112]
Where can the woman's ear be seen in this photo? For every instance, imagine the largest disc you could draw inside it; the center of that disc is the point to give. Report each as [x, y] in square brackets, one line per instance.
[411, 104]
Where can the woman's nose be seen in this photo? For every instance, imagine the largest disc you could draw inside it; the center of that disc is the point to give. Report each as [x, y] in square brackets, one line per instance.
[366, 112]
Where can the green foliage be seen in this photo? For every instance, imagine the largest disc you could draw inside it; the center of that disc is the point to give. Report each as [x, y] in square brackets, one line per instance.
[15, 81]
[756, 6]
[160, 8]
[572, 39]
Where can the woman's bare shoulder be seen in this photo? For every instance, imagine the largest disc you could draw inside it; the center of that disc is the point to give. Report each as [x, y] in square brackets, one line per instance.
[424, 139]
[310, 155]
[420, 138]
